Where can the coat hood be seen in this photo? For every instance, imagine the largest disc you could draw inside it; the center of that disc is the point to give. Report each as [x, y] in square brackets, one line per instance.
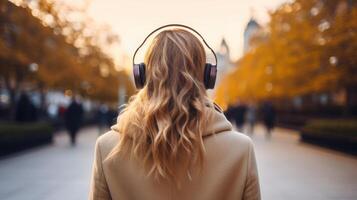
[217, 121]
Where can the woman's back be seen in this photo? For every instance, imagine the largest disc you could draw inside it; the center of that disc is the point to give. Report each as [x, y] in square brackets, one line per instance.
[229, 170]
[171, 141]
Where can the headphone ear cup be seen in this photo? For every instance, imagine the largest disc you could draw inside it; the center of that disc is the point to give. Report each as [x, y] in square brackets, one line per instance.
[139, 75]
[210, 74]
[142, 74]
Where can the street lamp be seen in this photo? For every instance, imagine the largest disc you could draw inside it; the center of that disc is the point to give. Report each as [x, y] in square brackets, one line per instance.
[333, 60]
[33, 67]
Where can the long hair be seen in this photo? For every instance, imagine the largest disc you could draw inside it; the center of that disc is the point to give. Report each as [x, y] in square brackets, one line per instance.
[162, 124]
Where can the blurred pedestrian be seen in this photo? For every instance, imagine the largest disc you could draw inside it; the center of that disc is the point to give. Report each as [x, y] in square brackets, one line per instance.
[239, 114]
[229, 113]
[251, 118]
[102, 118]
[73, 119]
[25, 109]
[61, 111]
[268, 111]
[112, 116]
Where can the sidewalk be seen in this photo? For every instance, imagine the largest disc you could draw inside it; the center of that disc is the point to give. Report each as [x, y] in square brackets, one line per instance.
[53, 172]
[288, 169]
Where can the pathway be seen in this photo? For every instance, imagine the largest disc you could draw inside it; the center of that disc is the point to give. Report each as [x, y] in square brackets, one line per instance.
[288, 169]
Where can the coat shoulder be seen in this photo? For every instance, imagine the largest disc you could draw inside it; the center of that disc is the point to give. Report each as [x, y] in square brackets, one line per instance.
[107, 142]
[235, 136]
[231, 141]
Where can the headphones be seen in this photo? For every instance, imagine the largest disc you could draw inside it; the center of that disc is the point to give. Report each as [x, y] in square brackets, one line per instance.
[210, 71]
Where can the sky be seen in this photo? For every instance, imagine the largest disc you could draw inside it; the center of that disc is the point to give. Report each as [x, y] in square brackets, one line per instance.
[132, 20]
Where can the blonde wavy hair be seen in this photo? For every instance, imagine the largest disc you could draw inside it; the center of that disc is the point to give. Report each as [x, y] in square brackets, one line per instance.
[163, 123]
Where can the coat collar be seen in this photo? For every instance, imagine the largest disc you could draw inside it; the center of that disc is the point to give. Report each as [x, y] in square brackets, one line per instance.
[216, 121]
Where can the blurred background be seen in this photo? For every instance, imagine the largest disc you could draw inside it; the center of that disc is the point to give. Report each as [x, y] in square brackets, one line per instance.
[287, 78]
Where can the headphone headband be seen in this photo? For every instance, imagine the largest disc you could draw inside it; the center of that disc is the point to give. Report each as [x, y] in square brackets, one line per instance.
[175, 25]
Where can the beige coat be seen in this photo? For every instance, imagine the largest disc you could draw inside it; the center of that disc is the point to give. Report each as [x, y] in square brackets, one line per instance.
[230, 171]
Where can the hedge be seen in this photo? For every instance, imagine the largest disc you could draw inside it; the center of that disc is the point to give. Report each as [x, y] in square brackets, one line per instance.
[339, 133]
[19, 136]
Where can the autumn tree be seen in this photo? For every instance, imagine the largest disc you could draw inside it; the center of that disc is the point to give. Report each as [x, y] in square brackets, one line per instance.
[309, 48]
[40, 44]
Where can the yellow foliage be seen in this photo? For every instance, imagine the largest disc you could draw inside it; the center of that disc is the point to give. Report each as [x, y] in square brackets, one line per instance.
[62, 65]
[311, 47]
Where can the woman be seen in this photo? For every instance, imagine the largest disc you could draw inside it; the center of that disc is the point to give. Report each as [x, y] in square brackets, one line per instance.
[171, 141]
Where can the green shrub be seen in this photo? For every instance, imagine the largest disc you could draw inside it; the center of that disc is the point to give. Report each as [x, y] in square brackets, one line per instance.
[18, 136]
[340, 128]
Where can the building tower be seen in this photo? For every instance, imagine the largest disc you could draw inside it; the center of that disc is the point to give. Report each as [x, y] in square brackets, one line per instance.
[252, 29]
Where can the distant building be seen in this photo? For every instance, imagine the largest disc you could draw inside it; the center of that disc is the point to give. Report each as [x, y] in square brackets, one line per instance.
[224, 63]
[253, 29]
[224, 60]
